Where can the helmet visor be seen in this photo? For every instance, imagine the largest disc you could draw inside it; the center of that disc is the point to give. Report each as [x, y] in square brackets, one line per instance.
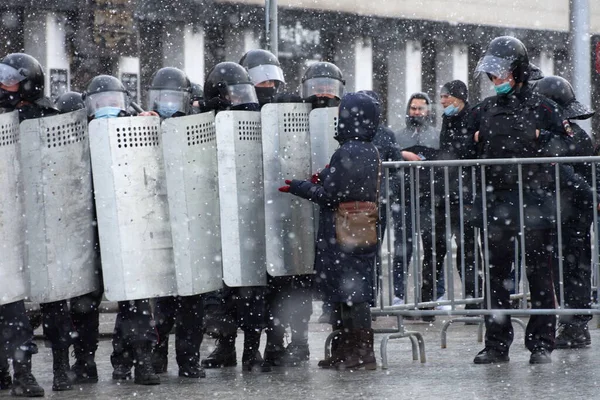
[9, 76]
[499, 67]
[267, 72]
[242, 93]
[96, 101]
[322, 86]
[173, 100]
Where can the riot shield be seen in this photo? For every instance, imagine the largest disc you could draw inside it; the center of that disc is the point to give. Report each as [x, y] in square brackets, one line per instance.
[288, 219]
[131, 206]
[13, 285]
[190, 156]
[241, 197]
[57, 181]
[323, 126]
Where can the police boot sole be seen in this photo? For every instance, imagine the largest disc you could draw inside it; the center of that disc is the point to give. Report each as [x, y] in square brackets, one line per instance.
[121, 377]
[62, 387]
[147, 381]
[21, 392]
[213, 364]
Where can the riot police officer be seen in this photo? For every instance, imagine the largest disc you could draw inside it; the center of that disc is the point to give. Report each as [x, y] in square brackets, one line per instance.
[69, 102]
[508, 126]
[576, 220]
[229, 87]
[282, 291]
[169, 96]
[197, 97]
[21, 89]
[323, 85]
[134, 335]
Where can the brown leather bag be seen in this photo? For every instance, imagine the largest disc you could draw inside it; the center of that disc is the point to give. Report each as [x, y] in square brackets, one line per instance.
[356, 222]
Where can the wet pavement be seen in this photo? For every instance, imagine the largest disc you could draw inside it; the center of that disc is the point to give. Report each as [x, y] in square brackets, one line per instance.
[448, 373]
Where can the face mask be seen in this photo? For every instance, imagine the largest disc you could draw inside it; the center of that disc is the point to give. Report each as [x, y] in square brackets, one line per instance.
[322, 102]
[9, 99]
[166, 110]
[416, 121]
[107, 112]
[266, 94]
[451, 110]
[503, 88]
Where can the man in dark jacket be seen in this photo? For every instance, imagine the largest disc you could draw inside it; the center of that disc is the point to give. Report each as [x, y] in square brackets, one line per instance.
[455, 144]
[576, 219]
[418, 141]
[346, 276]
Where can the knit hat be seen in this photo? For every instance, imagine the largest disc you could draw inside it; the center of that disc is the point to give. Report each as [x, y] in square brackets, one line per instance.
[457, 89]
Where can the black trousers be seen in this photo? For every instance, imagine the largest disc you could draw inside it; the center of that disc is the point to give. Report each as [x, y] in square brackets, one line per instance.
[186, 313]
[16, 336]
[57, 324]
[540, 329]
[289, 303]
[577, 268]
[85, 315]
[134, 327]
[231, 308]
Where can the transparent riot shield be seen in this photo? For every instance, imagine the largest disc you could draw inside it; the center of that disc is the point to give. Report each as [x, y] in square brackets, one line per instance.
[190, 156]
[288, 219]
[323, 126]
[13, 285]
[241, 197]
[57, 181]
[132, 210]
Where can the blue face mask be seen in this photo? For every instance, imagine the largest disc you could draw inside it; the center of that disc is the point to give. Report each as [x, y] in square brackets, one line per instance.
[107, 112]
[503, 88]
[166, 110]
[451, 110]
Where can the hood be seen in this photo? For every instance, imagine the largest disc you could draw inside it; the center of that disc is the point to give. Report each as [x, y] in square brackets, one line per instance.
[424, 96]
[358, 118]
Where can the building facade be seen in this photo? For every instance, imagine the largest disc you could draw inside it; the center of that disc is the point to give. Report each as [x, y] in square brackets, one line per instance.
[396, 47]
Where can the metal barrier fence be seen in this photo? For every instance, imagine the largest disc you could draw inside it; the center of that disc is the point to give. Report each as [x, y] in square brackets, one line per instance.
[405, 179]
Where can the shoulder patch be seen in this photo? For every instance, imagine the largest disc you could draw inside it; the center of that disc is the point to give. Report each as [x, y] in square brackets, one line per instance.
[568, 128]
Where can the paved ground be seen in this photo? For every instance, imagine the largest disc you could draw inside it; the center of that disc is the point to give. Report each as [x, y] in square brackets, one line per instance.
[448, 373]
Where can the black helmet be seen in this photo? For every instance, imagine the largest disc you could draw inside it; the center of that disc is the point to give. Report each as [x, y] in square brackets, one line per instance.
[263, 66]
[27, 72]
[69, 101]
[105, 92]
[560, 91]
[197, 92]
[170, 92]
[535, 72]
[323, 79]
[505, 54]
[231, 82]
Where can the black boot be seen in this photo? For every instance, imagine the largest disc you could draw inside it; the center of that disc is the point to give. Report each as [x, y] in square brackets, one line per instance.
[572, 336]
[144, 373]
[24, 383]
[61, 370]
[251, 356]
[84, 369]
[5, 378]
[188, 359]
[223, 355]
[160, 357]
[274, 349]
[122, 364]
[296, 354]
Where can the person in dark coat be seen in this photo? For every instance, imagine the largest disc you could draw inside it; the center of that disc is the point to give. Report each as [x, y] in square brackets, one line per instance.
[346, 277]
[455, 144]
